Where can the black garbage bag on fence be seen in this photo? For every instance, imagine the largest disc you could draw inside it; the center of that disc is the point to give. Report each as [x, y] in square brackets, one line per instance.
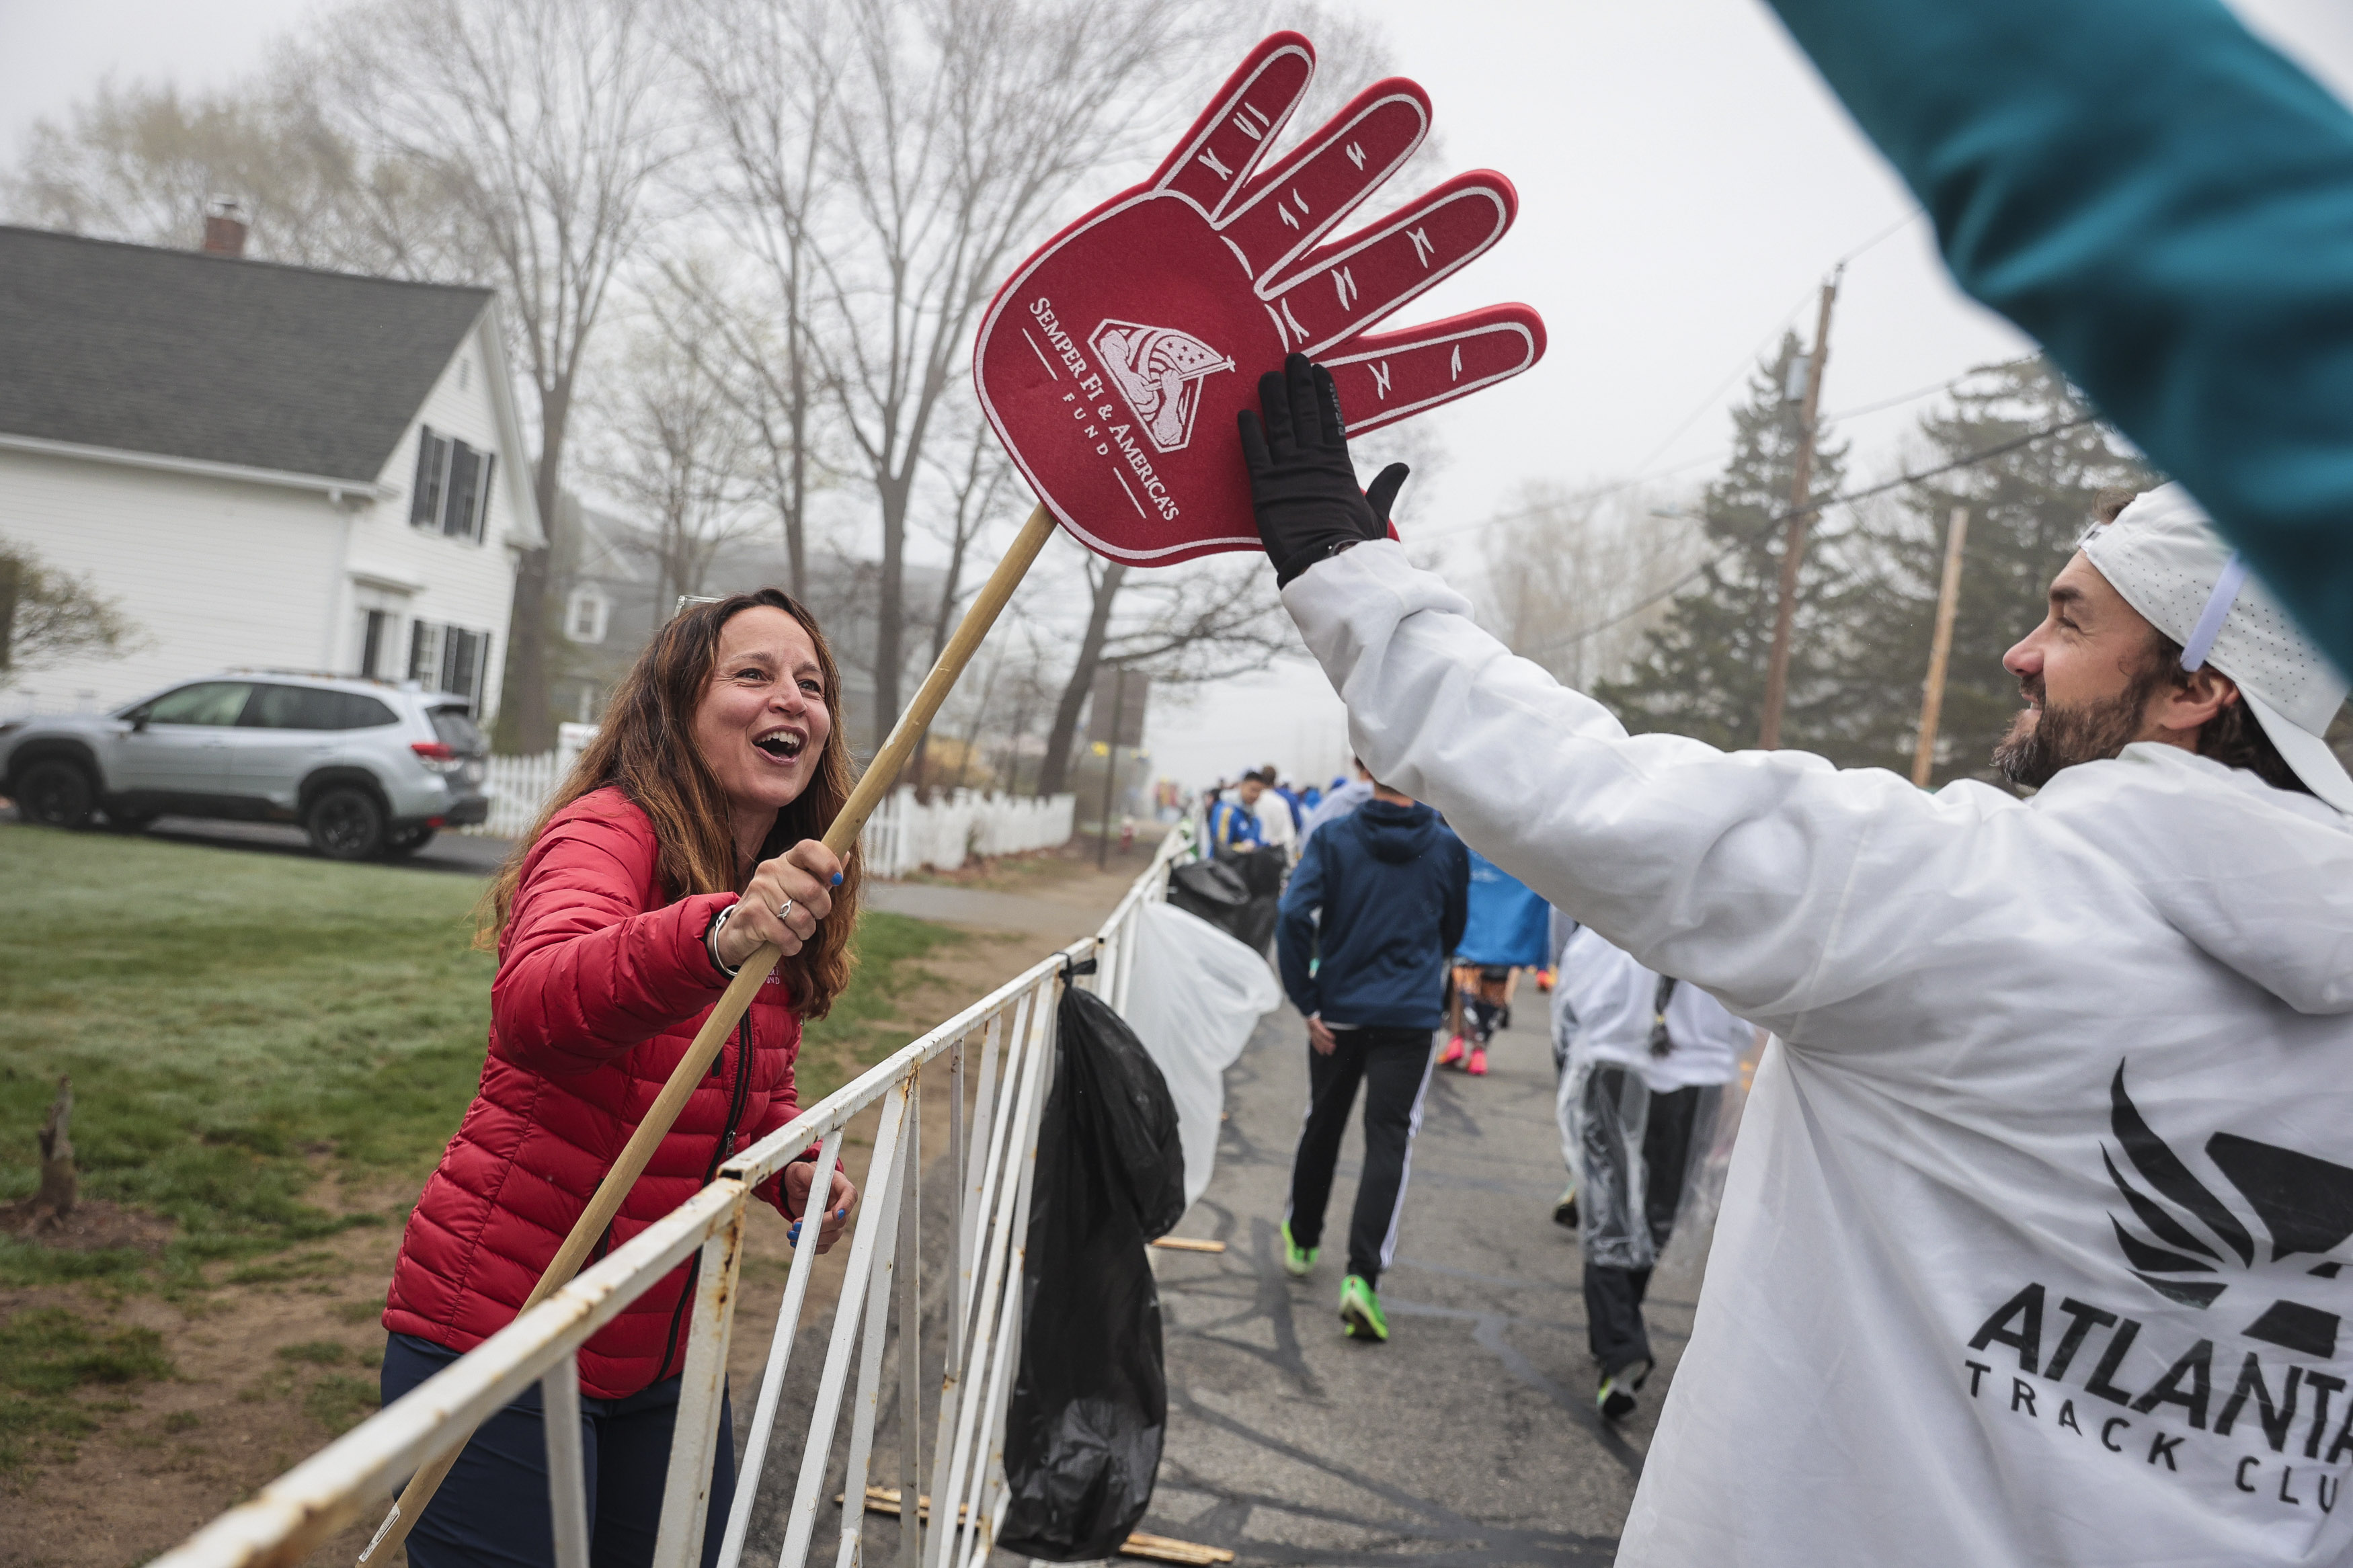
[1261, 872]
[1213, 891]
[1237, 890]
[1089, 1409]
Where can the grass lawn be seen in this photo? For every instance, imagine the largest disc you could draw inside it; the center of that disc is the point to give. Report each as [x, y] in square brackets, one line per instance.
[240, 1026]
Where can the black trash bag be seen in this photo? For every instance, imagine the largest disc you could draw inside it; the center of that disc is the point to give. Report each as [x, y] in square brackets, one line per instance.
[1090, 1408]
[1211, 889]
[1260, 871]
[1239, 891]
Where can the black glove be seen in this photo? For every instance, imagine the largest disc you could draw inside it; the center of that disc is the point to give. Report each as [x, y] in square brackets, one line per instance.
[1302, 487]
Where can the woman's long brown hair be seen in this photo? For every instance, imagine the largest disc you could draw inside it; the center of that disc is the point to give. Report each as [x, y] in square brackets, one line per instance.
[646, 748]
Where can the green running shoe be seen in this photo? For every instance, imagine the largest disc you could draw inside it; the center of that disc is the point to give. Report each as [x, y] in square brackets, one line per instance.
[1297, 1260]
[1360, 1310]
[1615, 1398]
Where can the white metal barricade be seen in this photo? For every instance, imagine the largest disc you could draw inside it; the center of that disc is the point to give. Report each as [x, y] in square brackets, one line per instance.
[999, 1055]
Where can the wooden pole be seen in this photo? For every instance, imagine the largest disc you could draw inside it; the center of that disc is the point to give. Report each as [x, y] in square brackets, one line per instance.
[1940, 647]
[842, 837]
[1111, 763]
[1801, 496]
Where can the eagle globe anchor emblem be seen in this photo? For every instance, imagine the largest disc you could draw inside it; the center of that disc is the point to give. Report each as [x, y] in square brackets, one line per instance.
[1159, 372]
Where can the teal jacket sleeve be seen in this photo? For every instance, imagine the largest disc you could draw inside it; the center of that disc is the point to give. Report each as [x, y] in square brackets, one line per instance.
[2166, 203]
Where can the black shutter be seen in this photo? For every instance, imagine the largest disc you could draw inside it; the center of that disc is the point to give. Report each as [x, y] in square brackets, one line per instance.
[457, 668]
[457, 511]
[424, 495]
[489, 463]
[481, 670]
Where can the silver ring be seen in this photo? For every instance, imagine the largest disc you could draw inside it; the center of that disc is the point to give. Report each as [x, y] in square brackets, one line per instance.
[783, 909]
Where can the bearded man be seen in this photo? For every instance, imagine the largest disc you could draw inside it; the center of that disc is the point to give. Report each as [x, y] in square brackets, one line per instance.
[2032, 1246]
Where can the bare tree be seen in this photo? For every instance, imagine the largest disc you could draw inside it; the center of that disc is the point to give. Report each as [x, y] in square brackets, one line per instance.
[959, 129]
[548, 121]
[682, 454]
[142, 162]
[1200, 622]
[766, 73]
[1570, 577]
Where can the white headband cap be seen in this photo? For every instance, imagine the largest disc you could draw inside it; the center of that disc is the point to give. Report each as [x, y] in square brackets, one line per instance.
[2163, 554]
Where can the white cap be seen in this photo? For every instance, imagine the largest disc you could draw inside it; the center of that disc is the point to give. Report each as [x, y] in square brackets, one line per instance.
[2163, 554]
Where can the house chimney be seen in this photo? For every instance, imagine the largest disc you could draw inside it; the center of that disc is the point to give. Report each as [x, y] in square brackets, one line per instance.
[225, 228]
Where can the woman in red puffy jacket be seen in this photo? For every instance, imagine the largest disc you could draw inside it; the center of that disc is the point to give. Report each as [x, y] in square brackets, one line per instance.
[685, 838]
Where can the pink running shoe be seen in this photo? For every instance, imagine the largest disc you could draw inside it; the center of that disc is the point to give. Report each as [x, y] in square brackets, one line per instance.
[1452, 1053]
[1477, 1066]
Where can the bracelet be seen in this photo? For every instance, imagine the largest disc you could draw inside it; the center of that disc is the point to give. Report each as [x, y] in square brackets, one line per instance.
[710, 942]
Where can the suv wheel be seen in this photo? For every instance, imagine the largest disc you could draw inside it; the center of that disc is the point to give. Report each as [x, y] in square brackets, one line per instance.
[57, 794]
[403, 842]
[346, 824]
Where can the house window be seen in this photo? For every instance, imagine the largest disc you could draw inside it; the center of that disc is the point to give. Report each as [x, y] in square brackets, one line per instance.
[450, 659]
[586, 615]
[452, 491]
[424, 652]
[464, 659]
[376, 641]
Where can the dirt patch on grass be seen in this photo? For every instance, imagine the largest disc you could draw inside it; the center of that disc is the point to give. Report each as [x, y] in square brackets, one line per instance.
[94, 1226]
[254, 1375]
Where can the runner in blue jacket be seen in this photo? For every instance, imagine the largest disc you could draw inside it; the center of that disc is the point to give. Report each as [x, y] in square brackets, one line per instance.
[1377, 904]
[2166, 203]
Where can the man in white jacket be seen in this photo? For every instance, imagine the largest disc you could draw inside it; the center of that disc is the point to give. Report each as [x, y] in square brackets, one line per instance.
[1643, 1061]
[2032, 1247]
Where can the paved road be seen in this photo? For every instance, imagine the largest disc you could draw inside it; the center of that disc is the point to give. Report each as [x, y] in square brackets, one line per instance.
[1470, 1438]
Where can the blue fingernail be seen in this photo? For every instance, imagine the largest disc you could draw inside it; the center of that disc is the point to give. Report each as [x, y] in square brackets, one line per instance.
[837, 878]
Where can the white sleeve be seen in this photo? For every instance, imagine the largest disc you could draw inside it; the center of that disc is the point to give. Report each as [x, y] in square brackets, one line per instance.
[1773, 881]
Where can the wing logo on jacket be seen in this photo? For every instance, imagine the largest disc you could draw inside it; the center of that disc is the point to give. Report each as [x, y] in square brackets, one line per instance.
[2193, 1247]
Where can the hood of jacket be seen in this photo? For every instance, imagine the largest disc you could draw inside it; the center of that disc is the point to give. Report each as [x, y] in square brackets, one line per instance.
[2259, 878]
[1396, 832]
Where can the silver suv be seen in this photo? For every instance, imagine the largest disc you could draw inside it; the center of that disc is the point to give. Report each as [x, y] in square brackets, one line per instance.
[369, 769]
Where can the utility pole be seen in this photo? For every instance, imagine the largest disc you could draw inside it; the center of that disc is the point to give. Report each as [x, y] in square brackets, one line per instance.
[1111, 764]
[1940, 647]
[1801, 495]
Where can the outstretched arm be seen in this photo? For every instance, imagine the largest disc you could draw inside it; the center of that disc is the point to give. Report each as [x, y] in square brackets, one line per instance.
[2166, 205]
[1795, 892]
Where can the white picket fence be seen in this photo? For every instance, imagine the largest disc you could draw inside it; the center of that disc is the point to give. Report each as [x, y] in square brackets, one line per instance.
[905, 835]
[991, 1136]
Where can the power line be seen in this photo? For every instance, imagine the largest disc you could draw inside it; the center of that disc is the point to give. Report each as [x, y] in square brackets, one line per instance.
[1844, 499]
[1747, 362]
[1597, 492]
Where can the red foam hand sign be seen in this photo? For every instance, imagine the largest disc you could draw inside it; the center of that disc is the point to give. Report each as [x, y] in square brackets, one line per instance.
[1114, 362]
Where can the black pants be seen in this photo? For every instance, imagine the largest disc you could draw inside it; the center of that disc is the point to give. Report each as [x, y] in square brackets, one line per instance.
[1394, 1066]
[493, 1511]
[1613, 1297]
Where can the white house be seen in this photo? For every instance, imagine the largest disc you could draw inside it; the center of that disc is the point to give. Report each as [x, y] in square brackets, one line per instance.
[266, 466]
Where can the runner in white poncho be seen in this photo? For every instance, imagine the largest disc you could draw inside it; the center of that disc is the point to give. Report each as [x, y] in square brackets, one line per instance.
[2032, 1243]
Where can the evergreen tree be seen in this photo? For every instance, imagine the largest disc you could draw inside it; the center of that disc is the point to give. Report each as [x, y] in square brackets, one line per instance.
[2027, 508]
[1702, 670]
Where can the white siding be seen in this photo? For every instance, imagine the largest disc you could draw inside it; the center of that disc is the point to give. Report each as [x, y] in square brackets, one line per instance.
[214, 572]
[464, 583]
[221, 572]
